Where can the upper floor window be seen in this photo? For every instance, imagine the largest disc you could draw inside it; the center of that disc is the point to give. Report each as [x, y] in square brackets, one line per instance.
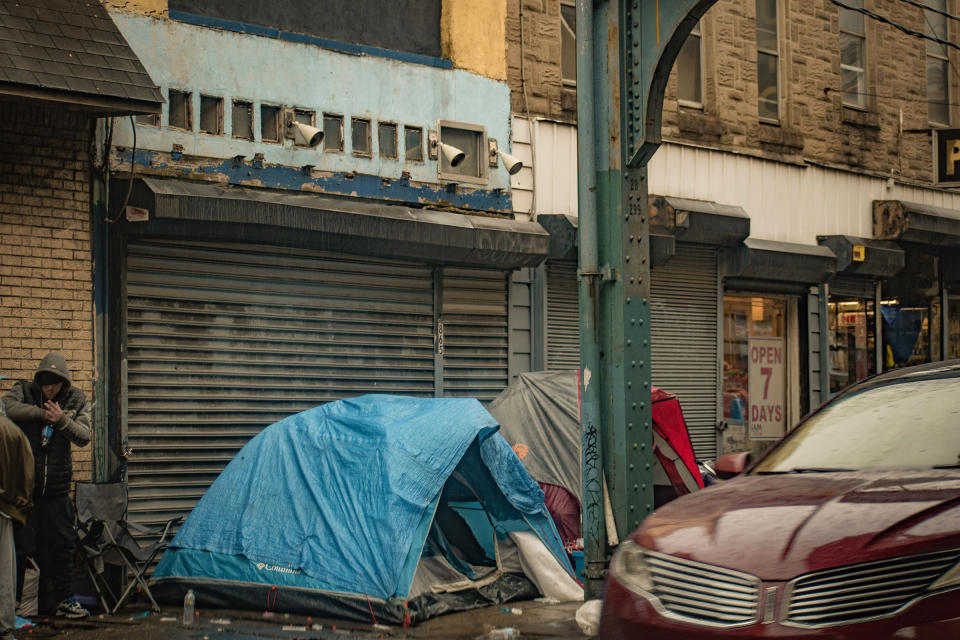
[211, 115]
[938, 64]
[690, 70]
[768, 61]
[568, 41]
[853, 52]
[181, 112]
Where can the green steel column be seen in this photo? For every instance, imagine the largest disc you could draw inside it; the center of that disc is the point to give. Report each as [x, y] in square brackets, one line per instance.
[626, 49]
[594, 536]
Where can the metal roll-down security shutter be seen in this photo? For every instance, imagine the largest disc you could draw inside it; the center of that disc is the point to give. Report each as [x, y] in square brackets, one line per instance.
[684, 306]
[222, 342]
[563, 320]
[474, 333]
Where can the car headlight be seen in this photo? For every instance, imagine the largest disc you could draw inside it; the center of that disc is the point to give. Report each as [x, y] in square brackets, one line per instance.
[629, 566]
[950, 579]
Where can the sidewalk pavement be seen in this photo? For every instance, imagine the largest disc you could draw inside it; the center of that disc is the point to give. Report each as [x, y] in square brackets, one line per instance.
[536, 620]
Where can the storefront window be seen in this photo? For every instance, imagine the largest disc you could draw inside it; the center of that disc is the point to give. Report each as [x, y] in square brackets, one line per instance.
[852, 341]
[754, 372]
[910, 310]
[953, 334]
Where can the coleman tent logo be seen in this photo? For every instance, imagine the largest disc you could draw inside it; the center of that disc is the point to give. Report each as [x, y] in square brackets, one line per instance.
[262, 566]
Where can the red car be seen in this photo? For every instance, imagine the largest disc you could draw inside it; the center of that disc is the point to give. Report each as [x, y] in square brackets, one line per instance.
[848, 528]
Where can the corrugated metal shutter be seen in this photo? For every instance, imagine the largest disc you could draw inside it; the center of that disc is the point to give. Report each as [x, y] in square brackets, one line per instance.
[563, 319]
[475, 333]
[684, 309]
[222, 342]
[852, 286]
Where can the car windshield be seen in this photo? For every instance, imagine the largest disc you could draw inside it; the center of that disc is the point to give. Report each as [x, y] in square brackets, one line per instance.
[906, 423]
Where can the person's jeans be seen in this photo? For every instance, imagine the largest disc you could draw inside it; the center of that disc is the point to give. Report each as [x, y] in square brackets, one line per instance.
[49, 537]
[8, 578]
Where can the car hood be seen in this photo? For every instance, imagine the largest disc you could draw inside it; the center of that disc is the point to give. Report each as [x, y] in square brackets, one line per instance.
[777, 527]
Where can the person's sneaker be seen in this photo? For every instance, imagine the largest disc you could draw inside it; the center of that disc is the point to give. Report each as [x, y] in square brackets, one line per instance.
[70, 608]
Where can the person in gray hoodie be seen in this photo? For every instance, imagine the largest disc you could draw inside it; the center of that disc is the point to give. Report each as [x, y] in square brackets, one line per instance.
[53, 414]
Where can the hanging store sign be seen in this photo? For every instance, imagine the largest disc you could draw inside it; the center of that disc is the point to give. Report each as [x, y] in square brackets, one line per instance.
[766, 376]
[946, 156]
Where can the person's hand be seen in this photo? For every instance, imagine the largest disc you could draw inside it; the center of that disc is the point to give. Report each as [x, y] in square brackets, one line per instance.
[52, 411]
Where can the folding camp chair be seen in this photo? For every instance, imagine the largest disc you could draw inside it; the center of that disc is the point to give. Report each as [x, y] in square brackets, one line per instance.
[106, 538]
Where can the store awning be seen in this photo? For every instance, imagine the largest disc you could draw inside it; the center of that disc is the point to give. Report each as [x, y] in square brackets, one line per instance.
[785, 262]
[564, 239]
[335, 224]
[913, 222]
[865, 256]
[699, 221]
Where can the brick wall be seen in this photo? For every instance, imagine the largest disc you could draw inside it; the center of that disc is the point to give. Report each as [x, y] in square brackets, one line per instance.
[45, 253]
[814, 124]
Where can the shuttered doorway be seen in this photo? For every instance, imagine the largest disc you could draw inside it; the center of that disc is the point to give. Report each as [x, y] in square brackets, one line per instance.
[684, 311]
[563, 319]
[475, 333]
[222, 342]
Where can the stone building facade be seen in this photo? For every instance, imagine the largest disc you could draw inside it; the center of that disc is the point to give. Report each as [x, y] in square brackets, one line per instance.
[796, 138]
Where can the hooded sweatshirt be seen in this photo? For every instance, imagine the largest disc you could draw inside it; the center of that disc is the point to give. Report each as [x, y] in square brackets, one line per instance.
[24, 404]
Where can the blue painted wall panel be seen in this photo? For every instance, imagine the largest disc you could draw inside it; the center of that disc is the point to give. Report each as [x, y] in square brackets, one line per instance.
[271, 71]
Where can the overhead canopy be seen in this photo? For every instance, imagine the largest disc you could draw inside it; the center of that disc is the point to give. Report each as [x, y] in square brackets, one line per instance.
[564, 241]
[698, 221]
[339, 224]
[71, 53]
[790, 263]
[914, 222]
[881, 258]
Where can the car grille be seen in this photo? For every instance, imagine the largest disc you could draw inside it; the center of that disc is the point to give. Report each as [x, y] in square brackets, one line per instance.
[864, 591]
[704, 593]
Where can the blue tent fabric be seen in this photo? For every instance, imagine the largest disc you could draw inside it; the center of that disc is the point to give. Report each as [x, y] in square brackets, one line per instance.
[340, 498]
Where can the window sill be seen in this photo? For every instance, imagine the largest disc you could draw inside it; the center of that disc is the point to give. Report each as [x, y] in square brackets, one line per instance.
[860, 118]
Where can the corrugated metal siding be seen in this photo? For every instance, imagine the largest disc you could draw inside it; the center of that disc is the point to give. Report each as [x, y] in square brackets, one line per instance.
[785, 202]
[814, 344]
[555, 162]
[521, 184]
[521, 333]
[684, 308]
[475, 332]
[563, 319]
[222, 342]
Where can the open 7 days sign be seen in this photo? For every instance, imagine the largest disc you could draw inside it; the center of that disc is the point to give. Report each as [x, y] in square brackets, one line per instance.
[765, 377]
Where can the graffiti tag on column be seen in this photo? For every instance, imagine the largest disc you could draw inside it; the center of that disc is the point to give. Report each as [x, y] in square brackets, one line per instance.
[593, 484]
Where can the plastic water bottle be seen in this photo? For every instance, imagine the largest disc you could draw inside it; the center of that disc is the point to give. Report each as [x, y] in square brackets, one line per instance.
[189, 602]
[505, 633]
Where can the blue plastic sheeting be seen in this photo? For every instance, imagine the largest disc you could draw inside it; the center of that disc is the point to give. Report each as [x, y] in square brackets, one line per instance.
[341, 497]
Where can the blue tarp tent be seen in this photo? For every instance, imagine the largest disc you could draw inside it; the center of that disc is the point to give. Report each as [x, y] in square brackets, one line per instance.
[390, 507]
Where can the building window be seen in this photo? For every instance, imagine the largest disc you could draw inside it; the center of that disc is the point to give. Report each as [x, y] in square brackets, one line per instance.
[568, 42]
[149, 119]
[768, 61]
[853, 51]
[332, 132]
[181, 113]
[469, 139]
[938, 64]
[413, 143]
[242, 120]
[304, 116]
[211, 115]
[690, 70]
[387, 139]
[269, 123]
[360, 136]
